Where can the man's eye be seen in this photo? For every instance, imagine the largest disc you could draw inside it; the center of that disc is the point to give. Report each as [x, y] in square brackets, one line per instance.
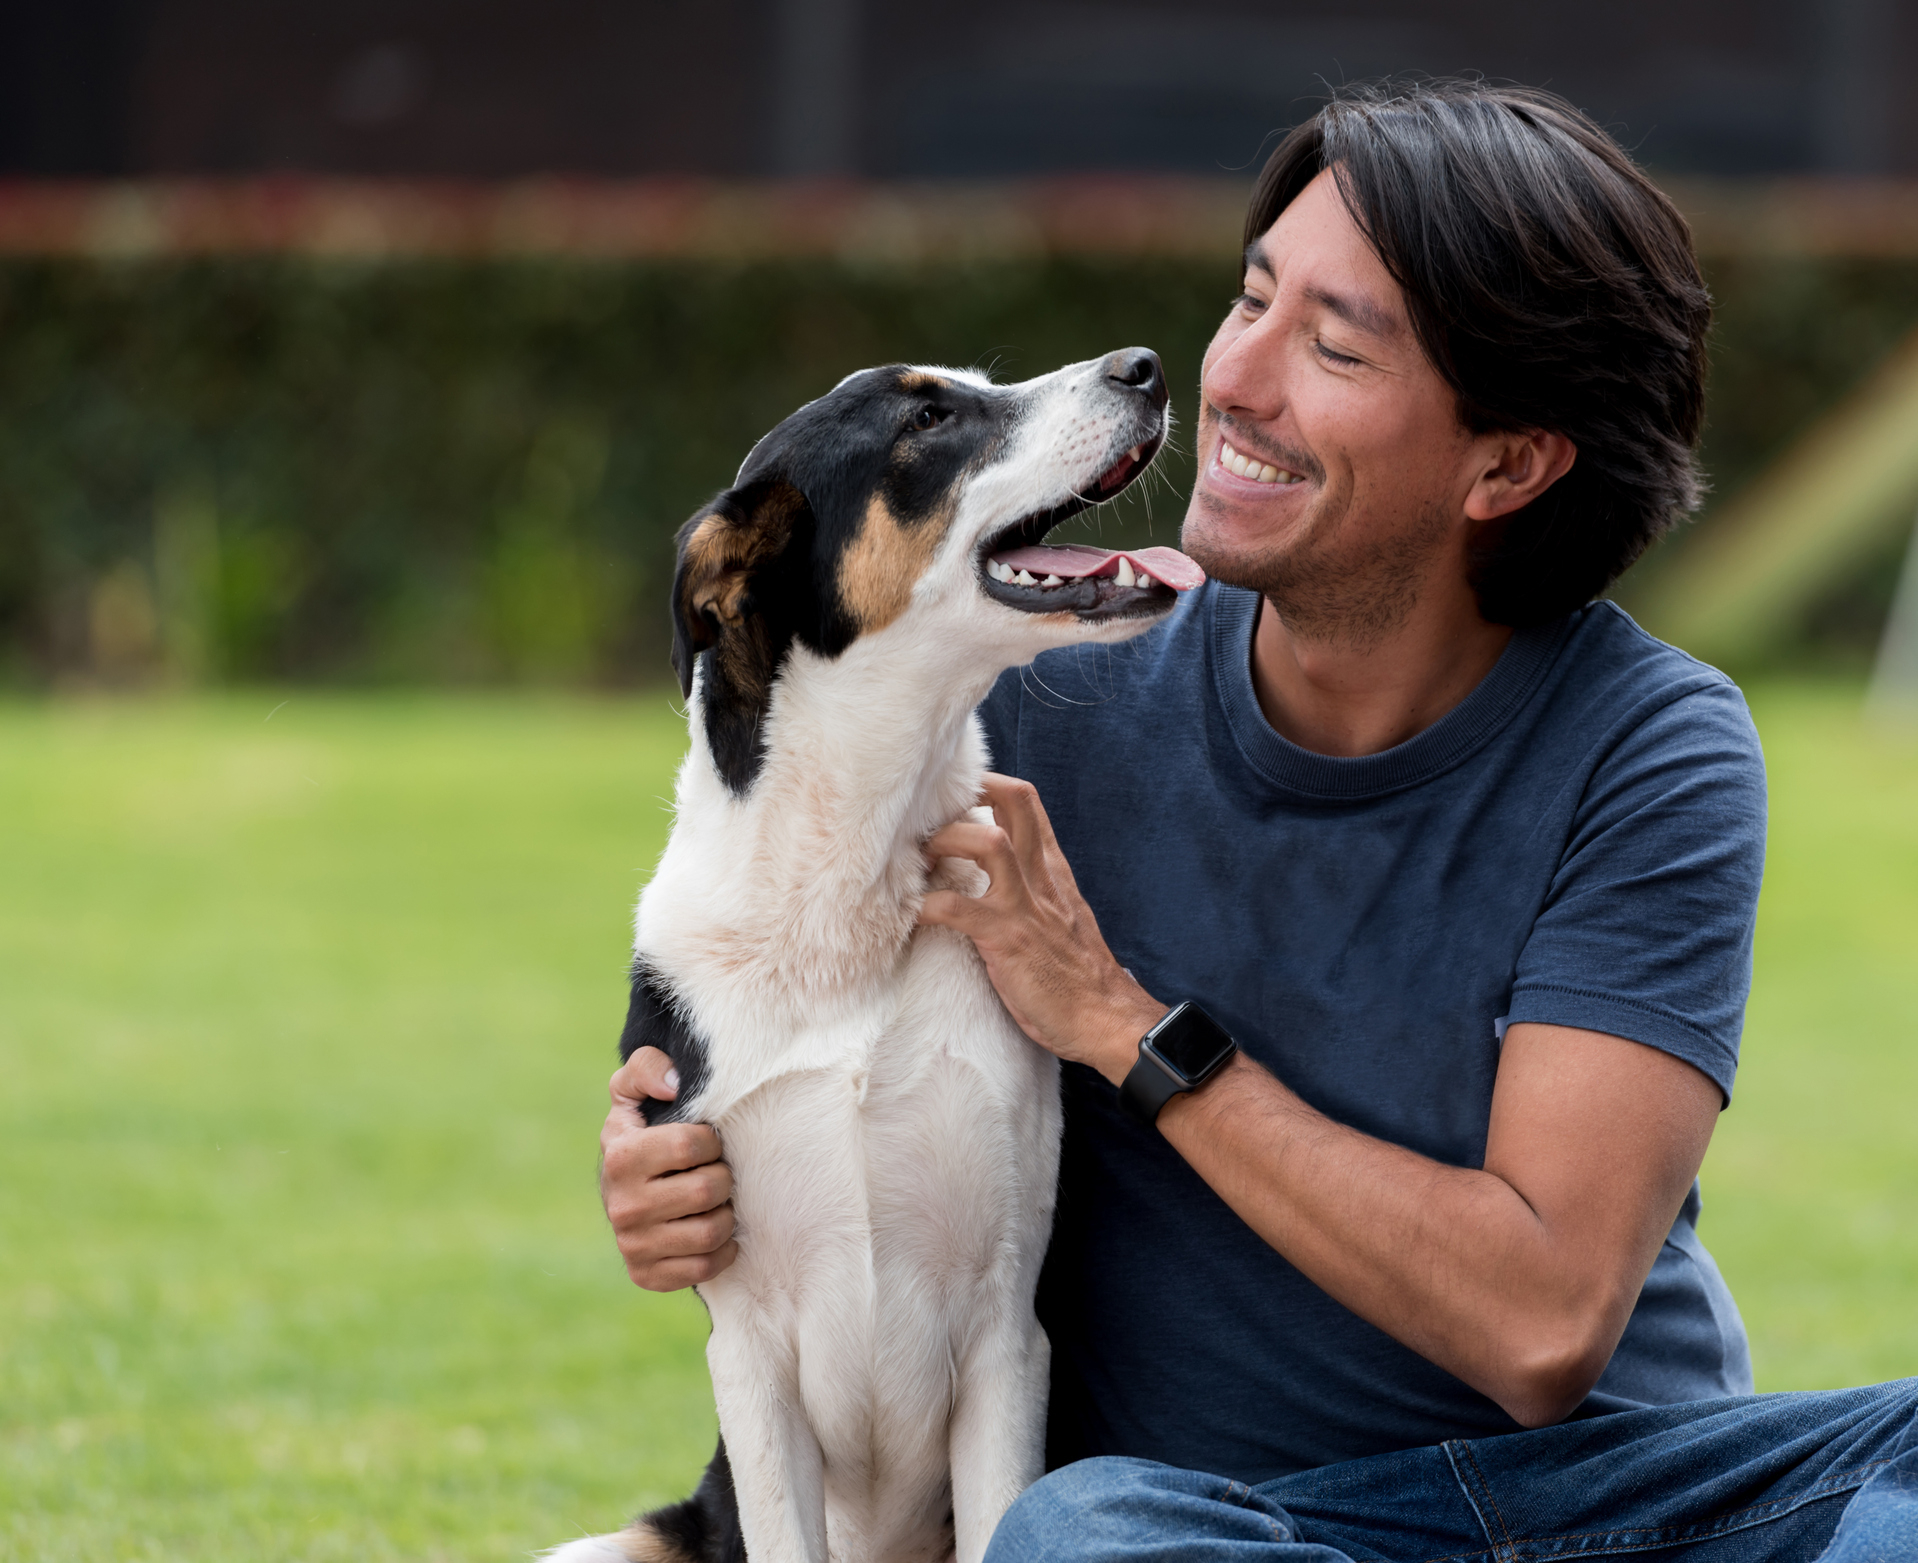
[1331, 357]
[929, 418]
[1251, 303]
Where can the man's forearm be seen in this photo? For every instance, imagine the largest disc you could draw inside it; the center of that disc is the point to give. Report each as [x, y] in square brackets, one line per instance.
[1523, 1302]
[1448, 1261]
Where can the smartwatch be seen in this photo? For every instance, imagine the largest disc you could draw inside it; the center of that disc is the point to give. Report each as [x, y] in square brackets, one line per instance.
[1181, 1053]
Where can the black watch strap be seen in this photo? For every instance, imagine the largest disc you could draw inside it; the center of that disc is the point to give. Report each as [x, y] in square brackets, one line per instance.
[1148, 1086]
[1183, 1051]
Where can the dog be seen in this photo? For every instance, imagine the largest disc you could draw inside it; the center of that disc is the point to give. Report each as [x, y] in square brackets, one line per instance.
[838, 613]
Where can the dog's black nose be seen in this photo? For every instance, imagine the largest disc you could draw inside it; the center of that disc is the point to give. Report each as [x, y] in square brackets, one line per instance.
[1139, 367]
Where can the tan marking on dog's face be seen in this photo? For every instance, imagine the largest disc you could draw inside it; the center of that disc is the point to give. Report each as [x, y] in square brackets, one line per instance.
[884, 562]
[920, 383]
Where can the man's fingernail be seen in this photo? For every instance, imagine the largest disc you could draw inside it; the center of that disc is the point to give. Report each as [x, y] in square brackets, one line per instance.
[672, 1080]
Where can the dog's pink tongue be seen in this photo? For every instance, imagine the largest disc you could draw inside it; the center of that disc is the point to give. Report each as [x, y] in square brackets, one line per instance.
[1072, 559]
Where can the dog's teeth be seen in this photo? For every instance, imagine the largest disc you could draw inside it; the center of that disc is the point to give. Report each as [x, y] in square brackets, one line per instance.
[1126, 577]
[1024, 578]
[1145, 583]
[1000, 572]
[1133, 454]
[1052, 580]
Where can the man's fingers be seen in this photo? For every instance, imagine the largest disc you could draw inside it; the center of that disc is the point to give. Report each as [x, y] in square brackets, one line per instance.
[697, 1249]
[695, 1234]
[1015, 805]
[950, 909]
[666, 1148]
[987, 845]
[647, 1075]
[671, 1199]
[673, 1275]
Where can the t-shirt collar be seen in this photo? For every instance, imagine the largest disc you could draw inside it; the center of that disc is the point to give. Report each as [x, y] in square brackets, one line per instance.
[1520, 669]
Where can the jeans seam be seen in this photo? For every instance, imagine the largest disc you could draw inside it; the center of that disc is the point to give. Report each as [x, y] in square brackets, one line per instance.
[1456, 1447]
[1831, 1485]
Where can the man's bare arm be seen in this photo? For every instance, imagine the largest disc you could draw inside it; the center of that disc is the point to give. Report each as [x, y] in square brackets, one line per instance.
[1517, 1278]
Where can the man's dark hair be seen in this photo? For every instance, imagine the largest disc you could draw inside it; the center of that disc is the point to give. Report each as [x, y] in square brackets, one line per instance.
[1553, 286]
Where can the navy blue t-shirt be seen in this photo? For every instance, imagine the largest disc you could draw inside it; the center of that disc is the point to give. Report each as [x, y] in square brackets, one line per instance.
[1579, 842]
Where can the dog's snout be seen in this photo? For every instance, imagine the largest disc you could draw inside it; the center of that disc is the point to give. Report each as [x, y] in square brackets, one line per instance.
[1139, 369]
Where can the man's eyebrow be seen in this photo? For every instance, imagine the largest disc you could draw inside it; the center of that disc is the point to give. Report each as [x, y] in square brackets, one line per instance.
[1360, 312]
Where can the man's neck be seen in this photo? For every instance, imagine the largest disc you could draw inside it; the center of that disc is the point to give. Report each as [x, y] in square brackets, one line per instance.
[1350, 698]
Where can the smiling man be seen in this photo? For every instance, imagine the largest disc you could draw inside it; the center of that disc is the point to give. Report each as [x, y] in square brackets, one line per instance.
[1391, 907]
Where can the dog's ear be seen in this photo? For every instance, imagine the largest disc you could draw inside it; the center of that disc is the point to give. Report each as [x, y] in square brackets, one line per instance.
[721, 549]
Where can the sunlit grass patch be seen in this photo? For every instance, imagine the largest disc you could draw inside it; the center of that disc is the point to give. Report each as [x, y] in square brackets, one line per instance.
[1811, 1188]
[305, 1013]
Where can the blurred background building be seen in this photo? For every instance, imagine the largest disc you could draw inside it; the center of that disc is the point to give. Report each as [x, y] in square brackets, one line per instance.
[753, 88]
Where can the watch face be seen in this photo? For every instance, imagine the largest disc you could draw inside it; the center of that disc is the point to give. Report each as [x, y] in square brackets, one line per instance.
[1192, 1042]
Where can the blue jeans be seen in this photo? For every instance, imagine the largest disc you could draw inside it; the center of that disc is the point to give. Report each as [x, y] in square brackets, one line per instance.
[1759, 1477]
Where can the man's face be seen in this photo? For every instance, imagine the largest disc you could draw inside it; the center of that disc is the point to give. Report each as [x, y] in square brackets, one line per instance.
[1333, 469]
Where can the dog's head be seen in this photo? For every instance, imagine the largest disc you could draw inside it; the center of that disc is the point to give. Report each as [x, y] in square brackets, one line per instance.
[910, 500]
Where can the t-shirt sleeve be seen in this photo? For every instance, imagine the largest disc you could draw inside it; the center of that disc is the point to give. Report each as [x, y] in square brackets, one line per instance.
[999, 716]
[1646, 932]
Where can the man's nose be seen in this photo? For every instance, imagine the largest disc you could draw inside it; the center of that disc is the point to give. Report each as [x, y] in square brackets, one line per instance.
[1246, 373]
[1139, 368]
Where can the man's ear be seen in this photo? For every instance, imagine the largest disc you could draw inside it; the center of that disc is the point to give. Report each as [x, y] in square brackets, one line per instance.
[1518, 468]
[720, 549]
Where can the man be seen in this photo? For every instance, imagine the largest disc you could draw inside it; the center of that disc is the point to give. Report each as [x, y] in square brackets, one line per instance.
[1467, 866]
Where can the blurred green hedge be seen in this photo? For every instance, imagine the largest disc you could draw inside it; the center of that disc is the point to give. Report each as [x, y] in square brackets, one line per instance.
[294, 469]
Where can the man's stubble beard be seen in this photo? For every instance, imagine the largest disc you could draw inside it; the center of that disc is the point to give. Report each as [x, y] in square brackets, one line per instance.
[1324, 587]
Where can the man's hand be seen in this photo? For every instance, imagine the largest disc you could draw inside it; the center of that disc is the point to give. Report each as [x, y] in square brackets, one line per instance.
[666, 1192]
[1040, 942]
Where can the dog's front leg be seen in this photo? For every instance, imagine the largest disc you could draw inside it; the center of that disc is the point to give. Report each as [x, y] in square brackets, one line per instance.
[778, 1469]
[998, 1426]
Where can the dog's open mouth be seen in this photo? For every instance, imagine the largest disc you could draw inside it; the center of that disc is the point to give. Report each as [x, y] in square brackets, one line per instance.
[1020, 570]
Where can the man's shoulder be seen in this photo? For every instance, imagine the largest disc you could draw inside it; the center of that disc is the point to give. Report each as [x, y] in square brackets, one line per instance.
[1614, 675]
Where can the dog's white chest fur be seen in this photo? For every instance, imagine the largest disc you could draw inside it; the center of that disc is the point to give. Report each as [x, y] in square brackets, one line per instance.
[892, 1210]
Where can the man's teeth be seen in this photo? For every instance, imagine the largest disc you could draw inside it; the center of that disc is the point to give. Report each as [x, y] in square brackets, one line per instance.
[1258, 471]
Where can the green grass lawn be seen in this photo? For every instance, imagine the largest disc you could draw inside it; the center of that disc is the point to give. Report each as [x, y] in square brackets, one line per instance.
[305, 1014]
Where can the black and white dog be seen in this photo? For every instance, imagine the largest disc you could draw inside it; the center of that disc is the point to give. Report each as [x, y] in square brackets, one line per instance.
[881, 1379]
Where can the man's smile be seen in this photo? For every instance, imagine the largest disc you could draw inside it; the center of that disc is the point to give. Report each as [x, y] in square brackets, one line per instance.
[1251, 468]
[1237, 473]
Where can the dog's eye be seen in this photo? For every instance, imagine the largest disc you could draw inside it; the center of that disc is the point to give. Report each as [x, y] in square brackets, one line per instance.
[929, 417]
